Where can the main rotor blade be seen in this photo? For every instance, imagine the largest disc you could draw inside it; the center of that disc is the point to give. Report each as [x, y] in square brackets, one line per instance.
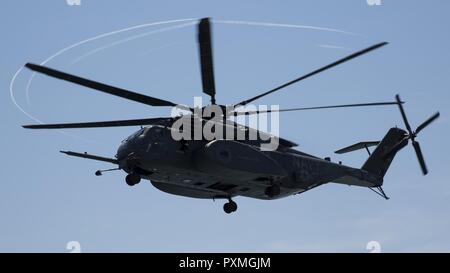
[206, 59]
[419, 154]
[99, 86]
[343, 60]
[405, 120]
[114, 123]
[316, 107]
[427, 122]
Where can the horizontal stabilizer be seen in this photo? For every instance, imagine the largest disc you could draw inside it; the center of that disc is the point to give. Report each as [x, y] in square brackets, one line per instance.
[357, 146]
[94, 157]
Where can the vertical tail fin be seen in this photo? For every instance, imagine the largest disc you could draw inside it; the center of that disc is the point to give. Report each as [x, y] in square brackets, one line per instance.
[381, 158]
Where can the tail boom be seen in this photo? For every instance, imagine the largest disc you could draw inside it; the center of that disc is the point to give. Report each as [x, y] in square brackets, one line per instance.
[379, 161]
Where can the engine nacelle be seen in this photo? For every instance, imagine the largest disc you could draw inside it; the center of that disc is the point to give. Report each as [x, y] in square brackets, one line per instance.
[236, 160]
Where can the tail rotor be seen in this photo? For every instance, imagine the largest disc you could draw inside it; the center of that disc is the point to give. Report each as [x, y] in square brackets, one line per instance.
[412, 136]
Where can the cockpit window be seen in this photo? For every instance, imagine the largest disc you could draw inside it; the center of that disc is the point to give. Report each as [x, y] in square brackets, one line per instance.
[136, 134]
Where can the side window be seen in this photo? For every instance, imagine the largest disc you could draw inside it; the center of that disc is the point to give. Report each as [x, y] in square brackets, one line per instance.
[156, 134]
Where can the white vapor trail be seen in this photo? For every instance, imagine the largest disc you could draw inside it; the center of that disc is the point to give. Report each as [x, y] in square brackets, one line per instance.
[263, 24]
[11, 93]
[333, 47]
[58, 53]
[96, 38]
[186, 22]
[128, 39]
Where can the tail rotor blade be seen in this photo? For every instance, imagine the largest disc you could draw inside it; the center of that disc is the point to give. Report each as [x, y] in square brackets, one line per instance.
[402, 111]
[419, 154]
[412, 135]
[427, 122]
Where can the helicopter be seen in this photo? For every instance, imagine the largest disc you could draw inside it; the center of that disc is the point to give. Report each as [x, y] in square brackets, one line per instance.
[223, 168]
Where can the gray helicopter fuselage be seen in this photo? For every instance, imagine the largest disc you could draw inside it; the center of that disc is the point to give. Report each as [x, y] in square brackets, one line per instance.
[225, 168]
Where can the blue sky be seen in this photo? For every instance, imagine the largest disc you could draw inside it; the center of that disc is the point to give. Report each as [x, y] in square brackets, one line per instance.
[48, 199]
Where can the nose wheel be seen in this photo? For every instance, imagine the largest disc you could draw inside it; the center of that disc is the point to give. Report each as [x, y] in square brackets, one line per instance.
[230, 206]
[132, 179]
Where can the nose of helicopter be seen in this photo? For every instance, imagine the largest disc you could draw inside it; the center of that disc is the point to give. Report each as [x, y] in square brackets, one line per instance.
[130, 151]
[123, 151]
[130, 145]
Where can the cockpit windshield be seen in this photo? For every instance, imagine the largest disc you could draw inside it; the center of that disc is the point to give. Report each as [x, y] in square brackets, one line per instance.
[134, 135]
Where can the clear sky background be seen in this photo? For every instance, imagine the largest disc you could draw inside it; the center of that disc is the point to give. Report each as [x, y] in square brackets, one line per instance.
[48, 199]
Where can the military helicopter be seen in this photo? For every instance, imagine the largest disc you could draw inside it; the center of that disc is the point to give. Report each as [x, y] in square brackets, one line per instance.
[225, 168]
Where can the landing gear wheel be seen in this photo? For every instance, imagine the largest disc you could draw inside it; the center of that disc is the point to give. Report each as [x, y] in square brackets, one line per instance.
[272, 191]
[132, 179]
[230, 207]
